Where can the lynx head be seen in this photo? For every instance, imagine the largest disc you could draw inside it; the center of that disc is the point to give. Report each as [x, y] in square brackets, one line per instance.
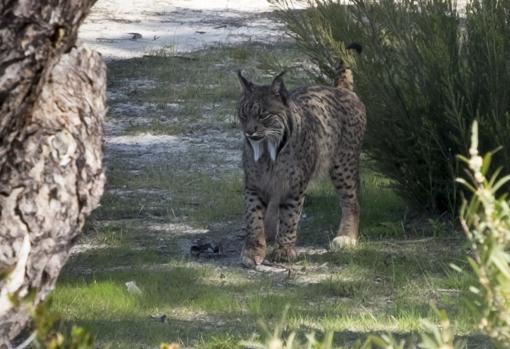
[264, 115]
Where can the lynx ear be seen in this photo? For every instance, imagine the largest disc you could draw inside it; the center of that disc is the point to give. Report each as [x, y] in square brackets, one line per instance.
[278, 88]
[247, 85]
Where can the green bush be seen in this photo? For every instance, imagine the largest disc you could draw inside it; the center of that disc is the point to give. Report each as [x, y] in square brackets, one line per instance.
[486, 222]
[426, 72]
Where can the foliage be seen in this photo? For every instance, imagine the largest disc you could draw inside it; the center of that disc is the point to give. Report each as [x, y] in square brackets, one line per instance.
[486, 222]
[439, 336]
[51, 334]
[49, 331]
[277, 339]
[426, 72]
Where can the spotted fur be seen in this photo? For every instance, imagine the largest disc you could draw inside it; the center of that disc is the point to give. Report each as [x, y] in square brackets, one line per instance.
[290, 138]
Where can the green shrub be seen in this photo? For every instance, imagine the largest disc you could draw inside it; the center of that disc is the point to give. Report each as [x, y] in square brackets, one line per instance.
[486, 222]
[426, 72]
[50, 332]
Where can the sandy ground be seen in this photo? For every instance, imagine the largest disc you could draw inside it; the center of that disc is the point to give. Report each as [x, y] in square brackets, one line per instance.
[132, 28]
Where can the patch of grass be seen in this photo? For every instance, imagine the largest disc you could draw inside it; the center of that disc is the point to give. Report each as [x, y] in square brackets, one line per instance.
[115, 206]
[110, 235]
[155, 127]
[222, 341]
[205, 197]
[104, 299]
[382, 211]
[376, 287]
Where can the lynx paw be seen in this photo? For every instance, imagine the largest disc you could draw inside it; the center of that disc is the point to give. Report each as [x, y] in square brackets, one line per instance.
[284, 254]
[342, 242]
[250, 258]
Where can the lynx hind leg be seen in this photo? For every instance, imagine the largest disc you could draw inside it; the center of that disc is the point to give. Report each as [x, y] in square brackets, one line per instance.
[345, 177]
[254, 249]
[289, 213]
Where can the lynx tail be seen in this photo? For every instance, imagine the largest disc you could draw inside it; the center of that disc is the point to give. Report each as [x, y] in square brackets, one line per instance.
[345, 79]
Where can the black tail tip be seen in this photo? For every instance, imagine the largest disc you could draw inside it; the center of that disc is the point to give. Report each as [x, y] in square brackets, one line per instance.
[355, 46]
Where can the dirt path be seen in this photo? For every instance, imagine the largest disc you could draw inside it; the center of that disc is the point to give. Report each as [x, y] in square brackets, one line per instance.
[123, 29]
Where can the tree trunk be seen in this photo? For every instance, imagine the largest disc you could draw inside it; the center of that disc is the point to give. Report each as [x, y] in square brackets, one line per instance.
[52, 104]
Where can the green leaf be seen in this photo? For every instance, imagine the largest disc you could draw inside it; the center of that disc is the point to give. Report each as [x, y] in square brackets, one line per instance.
[500, 183]
[486, 163]
[500, 260]
[456, 267]
[474, 290]
[474, 135]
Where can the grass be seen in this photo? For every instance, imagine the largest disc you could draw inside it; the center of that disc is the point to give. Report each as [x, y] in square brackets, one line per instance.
[152, 209]
[376, 287]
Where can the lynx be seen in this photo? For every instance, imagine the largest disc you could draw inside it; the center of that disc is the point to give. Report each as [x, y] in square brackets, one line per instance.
[291, 137]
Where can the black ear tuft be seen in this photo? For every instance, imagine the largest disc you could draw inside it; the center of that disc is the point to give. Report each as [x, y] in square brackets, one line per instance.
[279, 89]
[355, 46]
[247, 85]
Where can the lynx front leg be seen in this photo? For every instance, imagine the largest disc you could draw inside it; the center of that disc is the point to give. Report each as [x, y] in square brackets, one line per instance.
[345, 176]
[290, 211]
[254, 250]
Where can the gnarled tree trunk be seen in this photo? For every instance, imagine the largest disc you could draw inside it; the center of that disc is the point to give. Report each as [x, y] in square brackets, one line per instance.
[52, 104]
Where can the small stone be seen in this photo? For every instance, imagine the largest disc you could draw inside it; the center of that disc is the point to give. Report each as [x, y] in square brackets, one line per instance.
[133, 288]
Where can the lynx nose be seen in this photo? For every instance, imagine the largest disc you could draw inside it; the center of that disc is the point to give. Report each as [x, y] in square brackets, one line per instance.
[253, 136]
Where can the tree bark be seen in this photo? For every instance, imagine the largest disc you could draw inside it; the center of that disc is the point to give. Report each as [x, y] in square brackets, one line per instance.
[52, 104]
